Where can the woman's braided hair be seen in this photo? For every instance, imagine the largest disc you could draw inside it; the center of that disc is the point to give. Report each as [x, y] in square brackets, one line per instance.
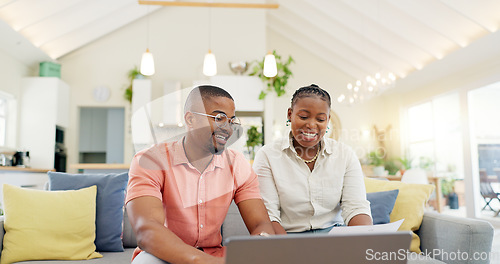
[311, 90]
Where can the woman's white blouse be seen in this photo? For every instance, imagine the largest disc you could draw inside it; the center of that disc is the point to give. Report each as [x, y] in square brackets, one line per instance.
[300, 199]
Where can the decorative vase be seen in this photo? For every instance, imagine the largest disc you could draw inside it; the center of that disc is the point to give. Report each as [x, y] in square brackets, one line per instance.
[453, 200]
[378, 171]
[238, 68]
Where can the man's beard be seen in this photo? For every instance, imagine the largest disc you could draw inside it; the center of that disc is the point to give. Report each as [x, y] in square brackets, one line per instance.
[215, 148]
[218, 149]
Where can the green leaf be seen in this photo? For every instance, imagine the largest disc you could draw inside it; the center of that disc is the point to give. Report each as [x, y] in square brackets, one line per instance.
[262, 95]
[128, 94]
[277, 83]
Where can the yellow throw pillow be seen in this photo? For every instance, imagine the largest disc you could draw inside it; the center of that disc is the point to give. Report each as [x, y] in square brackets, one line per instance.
[409, 204]
[48, 225]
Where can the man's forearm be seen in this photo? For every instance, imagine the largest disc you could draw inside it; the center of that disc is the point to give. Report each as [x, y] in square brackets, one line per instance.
[278, 228]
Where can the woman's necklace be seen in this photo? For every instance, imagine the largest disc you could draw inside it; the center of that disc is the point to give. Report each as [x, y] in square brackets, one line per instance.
[313, 159]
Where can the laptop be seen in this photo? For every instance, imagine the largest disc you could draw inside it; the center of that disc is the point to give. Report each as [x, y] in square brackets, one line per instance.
[319, 248]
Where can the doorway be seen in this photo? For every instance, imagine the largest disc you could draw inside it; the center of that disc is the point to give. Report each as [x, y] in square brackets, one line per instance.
[102, 135]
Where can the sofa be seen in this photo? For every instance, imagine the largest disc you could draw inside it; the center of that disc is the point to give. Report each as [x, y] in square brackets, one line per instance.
[437, 232]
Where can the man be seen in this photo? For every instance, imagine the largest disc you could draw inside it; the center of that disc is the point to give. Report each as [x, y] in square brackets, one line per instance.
[179, 192]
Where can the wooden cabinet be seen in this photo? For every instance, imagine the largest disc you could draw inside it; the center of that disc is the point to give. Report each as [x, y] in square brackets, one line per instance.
[23, 177]
[245, 91]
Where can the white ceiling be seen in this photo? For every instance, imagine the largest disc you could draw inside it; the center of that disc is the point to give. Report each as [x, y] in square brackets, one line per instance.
[358, 37]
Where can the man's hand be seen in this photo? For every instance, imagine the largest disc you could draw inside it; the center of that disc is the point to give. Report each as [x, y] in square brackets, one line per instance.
[255, 216]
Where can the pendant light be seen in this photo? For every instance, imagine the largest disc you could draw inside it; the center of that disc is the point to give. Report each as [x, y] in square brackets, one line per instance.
[209, 63]
[147, 61]
[270, 69]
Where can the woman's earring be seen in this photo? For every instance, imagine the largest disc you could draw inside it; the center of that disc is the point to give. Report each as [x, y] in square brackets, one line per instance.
[327, 129]
[288, 122]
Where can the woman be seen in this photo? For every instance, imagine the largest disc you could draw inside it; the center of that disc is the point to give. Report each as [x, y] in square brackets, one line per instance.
[310, 183]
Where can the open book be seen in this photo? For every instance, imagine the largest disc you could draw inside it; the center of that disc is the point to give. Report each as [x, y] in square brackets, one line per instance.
[365, 229]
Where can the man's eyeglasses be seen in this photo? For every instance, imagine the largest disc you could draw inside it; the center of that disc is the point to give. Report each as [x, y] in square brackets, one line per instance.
[221, 119]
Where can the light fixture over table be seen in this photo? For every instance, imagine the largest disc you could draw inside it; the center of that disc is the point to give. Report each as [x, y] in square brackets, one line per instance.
[270, 68]
[147, 61]
[209, 63]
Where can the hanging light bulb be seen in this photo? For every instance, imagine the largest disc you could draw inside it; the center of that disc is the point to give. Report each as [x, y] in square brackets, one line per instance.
[147, 64]
[270, 69]
[210, 64]
[147, 61]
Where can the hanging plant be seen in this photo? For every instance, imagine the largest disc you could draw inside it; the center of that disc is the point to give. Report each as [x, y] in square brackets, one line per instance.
[278, 82]
[132, 74]
[254, 139]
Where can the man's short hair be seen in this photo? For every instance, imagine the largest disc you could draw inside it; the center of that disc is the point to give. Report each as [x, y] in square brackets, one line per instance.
[204, 92]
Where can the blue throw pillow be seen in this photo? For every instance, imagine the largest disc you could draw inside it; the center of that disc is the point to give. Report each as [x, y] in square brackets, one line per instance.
[381, 205]
[109, 203]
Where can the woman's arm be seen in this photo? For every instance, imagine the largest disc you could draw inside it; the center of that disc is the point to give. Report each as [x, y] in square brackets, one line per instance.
[361, 219]
[355, 207]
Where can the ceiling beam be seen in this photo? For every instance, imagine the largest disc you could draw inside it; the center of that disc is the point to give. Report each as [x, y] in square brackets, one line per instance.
[82, 36]
[295, 36]
[486, 18]
[442, 19]
[206, 4]
[387, 16]
[382, 38]
[20, 48]
[77, 16]
[304, 30]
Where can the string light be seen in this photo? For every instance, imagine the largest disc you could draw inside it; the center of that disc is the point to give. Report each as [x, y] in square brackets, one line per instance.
[370, 86]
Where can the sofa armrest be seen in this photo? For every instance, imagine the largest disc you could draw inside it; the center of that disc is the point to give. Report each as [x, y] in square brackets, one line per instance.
[443, 234]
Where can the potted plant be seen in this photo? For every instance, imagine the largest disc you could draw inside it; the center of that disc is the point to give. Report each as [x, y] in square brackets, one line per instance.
[391, 167]
[376, 158]
[278, 82]
[448, 190]
[132, 74]
[405, 164]
[254, 139]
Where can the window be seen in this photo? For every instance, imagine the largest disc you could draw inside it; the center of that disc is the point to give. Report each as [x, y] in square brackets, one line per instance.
[485, 126]
[3, 121]
[7, 119]
[434, 136]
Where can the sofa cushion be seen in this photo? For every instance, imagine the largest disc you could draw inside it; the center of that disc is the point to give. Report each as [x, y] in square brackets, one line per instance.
[381, 205]
[48, 225]
[108, 258]
[110, 201]
[409, 204]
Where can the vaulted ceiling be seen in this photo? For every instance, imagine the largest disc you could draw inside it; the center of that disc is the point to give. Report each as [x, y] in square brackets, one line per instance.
[358, 37]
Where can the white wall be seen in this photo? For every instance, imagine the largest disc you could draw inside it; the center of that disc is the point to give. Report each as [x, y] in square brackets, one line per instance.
[11, 72]
[178, 41]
